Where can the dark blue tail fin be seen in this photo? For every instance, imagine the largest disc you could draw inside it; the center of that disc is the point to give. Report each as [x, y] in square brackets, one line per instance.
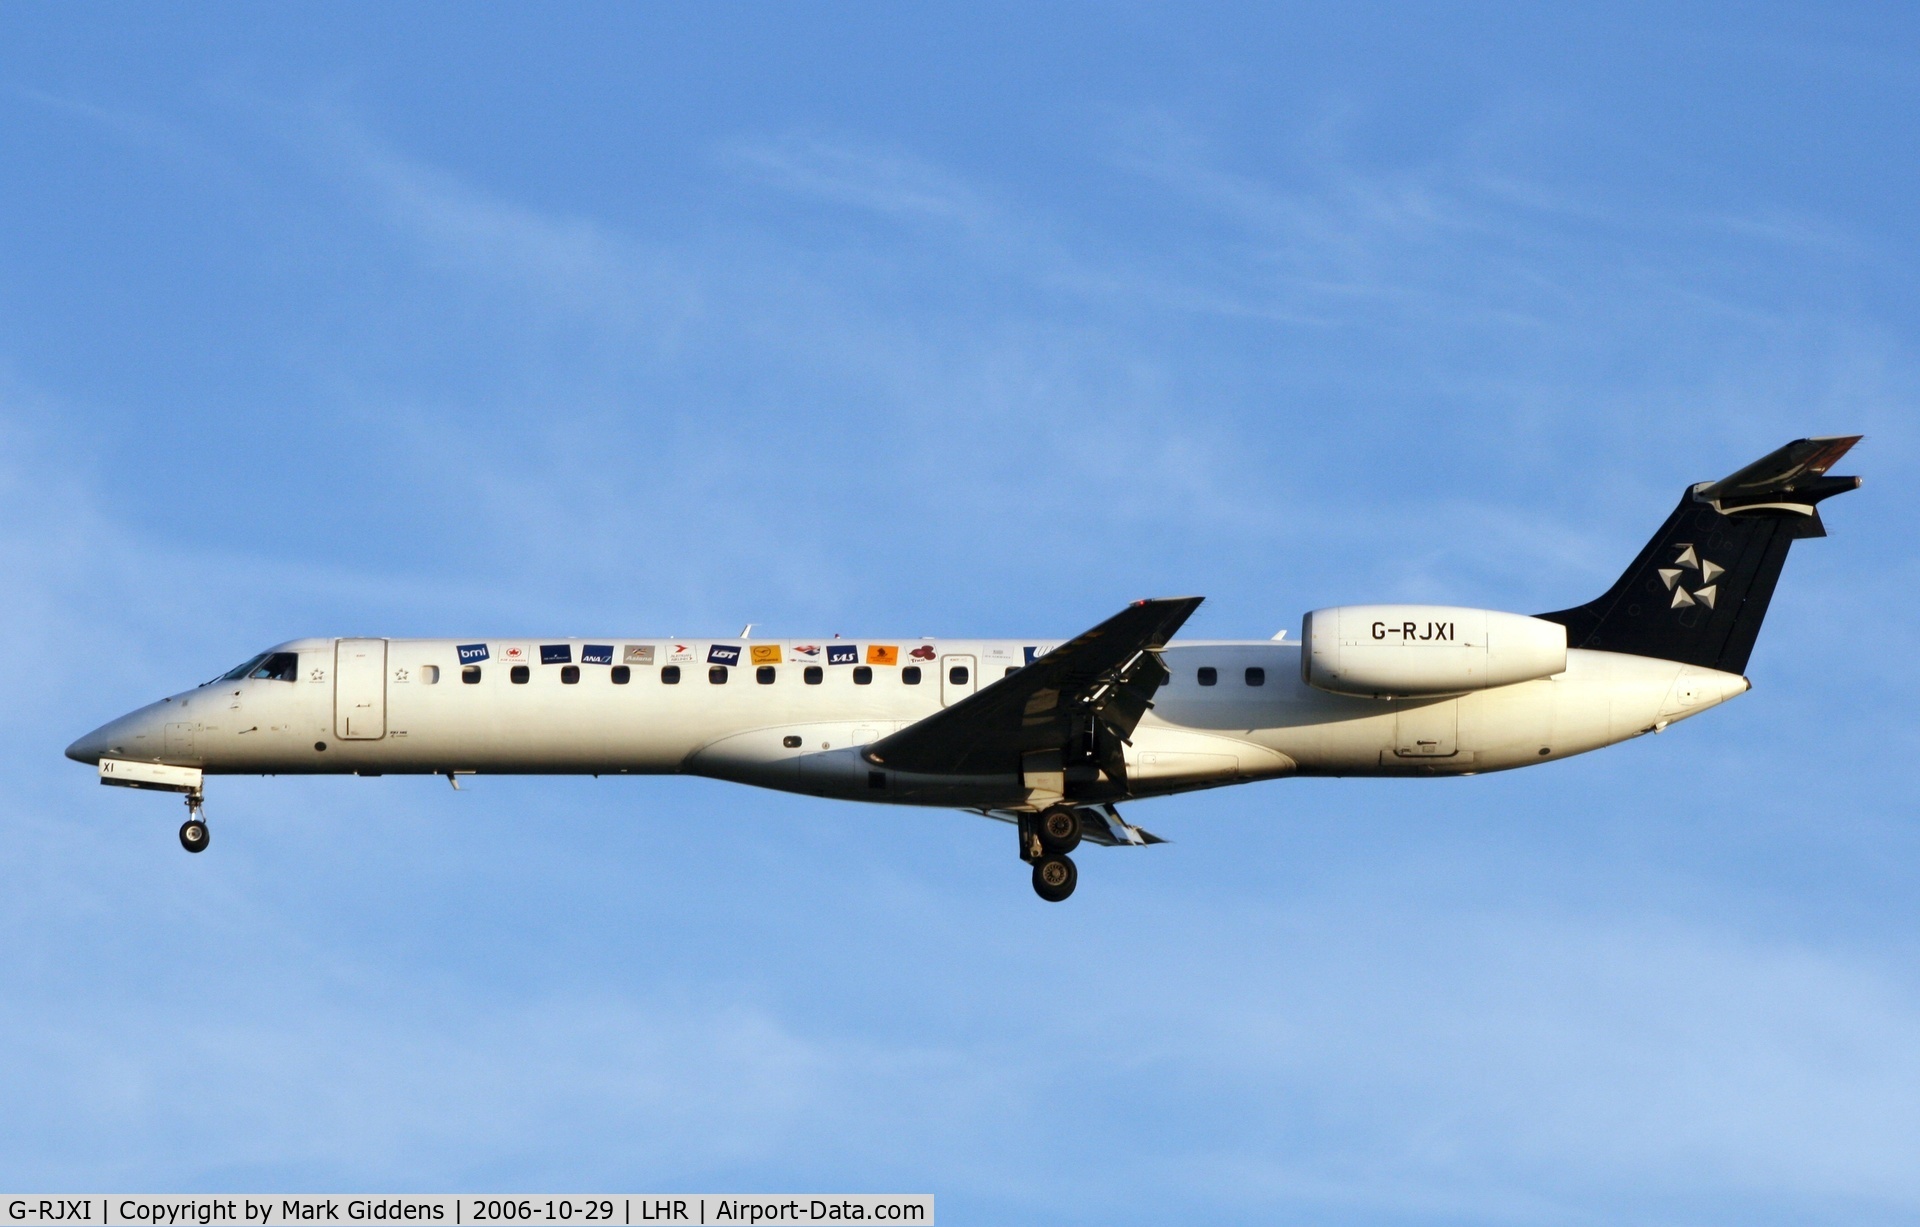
[1699, 590]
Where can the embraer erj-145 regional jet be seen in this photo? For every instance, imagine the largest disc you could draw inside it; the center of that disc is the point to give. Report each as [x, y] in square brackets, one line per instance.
[1048, 736]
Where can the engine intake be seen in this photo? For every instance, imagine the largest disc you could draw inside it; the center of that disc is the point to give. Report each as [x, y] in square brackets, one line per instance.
[1407, 651]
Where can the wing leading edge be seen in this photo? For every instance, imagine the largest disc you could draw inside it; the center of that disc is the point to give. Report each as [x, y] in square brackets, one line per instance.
[1080, 702]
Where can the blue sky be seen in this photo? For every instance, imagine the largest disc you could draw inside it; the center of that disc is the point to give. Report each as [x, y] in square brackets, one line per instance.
[903, 321]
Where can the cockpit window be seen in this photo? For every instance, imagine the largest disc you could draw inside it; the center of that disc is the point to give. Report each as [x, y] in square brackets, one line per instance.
[271, 666]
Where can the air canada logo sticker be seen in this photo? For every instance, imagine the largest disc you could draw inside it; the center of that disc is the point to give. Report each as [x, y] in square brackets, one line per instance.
[1701, 587]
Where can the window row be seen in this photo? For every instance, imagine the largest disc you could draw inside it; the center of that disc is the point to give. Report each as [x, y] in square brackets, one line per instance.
[765, 675]
[1210, 676]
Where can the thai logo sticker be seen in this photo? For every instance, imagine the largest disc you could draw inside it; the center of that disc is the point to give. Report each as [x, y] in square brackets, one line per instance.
[923, 652]
[843, 654]
[596, 654]
[765, 653]
[638, 654]
[472, 653]
[723, 654]
[556, 653]
[882, 654]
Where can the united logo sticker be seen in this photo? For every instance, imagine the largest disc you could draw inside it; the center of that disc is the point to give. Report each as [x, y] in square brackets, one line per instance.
[556, 653]
[723, 654]
[842, 654]
[882, 654]
[1031, 653]
[923, 652]
[596, 654]
[639, 654]
[472, 653]
[765, 653]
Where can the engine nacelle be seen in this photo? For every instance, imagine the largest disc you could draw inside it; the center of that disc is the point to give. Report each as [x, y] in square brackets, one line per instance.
[1405, 651]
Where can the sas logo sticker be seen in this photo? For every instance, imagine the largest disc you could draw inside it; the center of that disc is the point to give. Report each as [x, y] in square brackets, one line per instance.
[596, 654]
[556, 653]
[882, 654]
[842, 654]
[923, 652]
[724, 654]
[765, 653]
[639, 654]
[472, 653]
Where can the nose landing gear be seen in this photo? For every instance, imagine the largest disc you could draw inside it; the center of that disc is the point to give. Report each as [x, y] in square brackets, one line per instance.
[194, 836]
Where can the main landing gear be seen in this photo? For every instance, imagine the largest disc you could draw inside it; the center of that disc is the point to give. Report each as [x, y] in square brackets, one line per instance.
[1045, 840]
[194, 836]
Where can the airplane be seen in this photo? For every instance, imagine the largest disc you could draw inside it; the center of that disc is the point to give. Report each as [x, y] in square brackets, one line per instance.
[1049, 736]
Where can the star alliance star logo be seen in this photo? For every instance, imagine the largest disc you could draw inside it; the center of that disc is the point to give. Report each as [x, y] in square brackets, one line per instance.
[1675, 578]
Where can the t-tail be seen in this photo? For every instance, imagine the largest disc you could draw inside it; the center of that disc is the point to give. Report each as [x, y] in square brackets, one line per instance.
[1699, 590]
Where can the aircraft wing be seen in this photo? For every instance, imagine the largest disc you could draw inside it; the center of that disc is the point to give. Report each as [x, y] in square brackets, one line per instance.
[1084, 698]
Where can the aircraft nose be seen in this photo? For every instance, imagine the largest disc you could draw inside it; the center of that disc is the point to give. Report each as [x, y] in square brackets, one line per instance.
[88, 749]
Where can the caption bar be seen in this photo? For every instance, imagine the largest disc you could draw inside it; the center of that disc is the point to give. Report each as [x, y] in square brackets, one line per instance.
[619, 1210]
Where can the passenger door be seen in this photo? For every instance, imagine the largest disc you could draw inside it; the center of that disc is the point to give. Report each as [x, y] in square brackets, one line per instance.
[360, 689]
[956, 679]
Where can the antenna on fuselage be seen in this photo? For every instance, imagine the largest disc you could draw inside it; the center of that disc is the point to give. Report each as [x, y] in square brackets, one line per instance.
[746, 630]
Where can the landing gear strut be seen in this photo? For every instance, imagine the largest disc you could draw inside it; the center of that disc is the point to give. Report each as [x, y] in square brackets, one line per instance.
[194, 836]
[1045, 840]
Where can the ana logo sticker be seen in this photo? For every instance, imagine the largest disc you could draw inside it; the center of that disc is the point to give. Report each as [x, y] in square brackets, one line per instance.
[1676, 579]
[723, 654]
[596, 654]
[472, 653]
[842, 654]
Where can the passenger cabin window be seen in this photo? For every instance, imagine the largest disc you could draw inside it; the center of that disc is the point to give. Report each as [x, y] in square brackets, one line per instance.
[670, 675]
[862, 675]
[570, 675]
[1012, 669]
[1256, 677]
[519, 674]
[622, 675]
[957, 675]
[470, 675]
[1209, 675]
[430, 675]
[910, 676]
[813, 675]
[764, 675]
[717, 675]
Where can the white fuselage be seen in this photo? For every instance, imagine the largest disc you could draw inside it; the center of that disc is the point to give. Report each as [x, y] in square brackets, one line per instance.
[373, 706]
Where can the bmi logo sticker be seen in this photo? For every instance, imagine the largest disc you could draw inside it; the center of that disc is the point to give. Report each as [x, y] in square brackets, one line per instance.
[724, 654]
[923, 652]
[472, 653]
[596, 654]
[766, 653]
[556, 653]
[842, 654]
[1706, 588]
[639, 654]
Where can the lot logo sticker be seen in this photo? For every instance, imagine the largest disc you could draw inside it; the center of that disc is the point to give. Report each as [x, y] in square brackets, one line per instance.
[639, 654]
[596, 654]
[882, 654]
[723, 654]
[472, 653]
[766, 653]
[843, 654]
